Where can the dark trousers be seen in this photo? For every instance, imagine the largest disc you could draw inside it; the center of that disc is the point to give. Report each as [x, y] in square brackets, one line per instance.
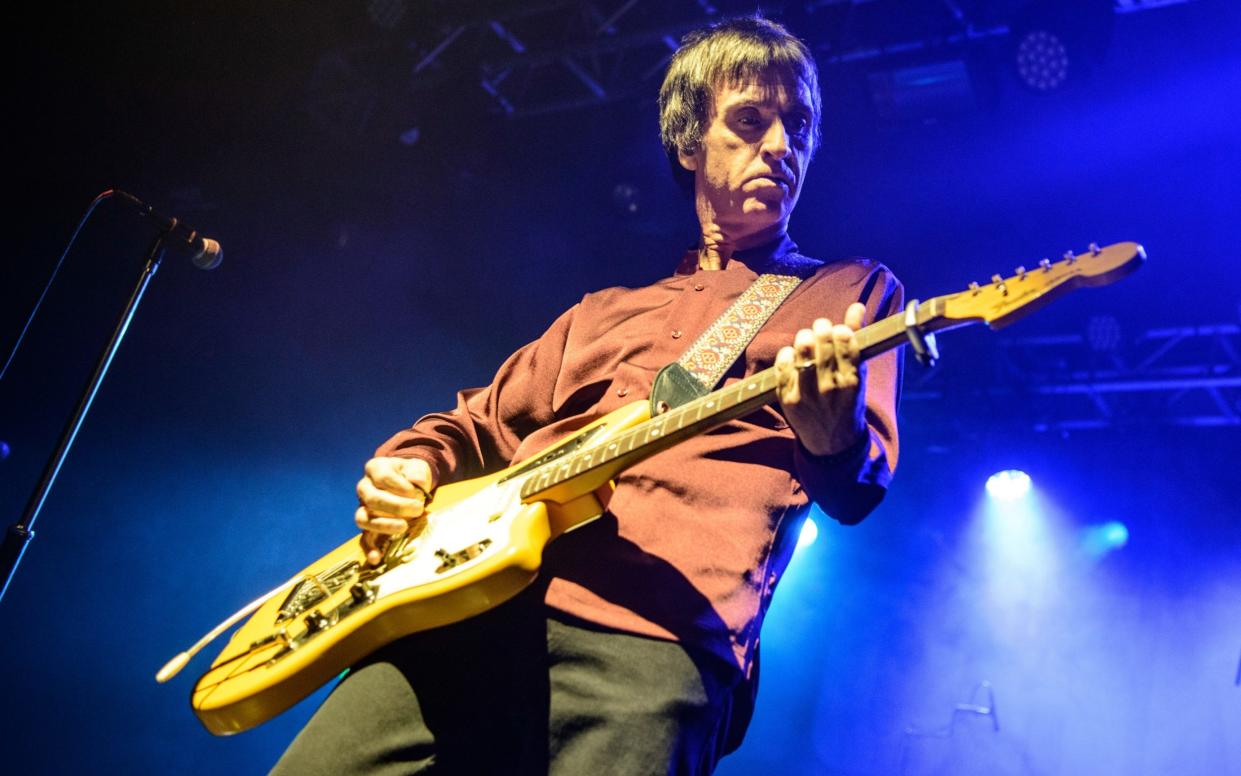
[517, 691]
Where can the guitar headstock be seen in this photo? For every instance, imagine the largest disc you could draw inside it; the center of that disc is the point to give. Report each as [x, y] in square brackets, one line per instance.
[1005, 300]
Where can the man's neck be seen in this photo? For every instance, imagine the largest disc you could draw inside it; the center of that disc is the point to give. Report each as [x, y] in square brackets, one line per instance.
[715, 248]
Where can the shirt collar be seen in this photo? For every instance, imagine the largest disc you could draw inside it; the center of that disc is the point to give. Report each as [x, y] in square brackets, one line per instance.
[780, 257]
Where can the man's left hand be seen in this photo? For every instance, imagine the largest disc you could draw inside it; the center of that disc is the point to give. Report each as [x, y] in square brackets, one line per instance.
[822, 384]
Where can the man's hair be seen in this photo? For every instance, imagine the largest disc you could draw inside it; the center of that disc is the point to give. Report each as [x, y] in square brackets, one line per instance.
[728, 53]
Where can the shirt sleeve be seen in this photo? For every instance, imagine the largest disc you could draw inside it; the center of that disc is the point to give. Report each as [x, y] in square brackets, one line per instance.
[483, 432]
[848, 485]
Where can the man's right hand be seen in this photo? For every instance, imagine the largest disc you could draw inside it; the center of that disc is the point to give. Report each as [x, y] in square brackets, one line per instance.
[390, 496]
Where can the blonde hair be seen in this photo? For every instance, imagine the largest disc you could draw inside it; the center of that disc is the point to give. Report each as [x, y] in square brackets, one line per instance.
[733, 51]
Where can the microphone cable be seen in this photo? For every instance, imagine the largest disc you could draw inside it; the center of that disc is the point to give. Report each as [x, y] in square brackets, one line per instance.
[55, 271]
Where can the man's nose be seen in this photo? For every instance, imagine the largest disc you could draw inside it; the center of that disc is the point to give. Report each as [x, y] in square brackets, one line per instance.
[776, 141]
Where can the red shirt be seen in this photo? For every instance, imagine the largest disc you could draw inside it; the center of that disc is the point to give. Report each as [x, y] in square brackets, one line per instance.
[697, 536]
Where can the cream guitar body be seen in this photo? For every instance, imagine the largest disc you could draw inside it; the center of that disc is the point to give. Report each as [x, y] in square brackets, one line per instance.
[479, 546]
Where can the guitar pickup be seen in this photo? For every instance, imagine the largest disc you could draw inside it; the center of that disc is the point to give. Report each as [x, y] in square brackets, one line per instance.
[450, 560]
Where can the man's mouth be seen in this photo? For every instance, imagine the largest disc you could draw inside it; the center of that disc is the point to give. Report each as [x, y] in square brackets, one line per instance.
[777, 179]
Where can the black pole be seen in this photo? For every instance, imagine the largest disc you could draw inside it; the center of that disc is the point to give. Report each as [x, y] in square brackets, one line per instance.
[19, 535]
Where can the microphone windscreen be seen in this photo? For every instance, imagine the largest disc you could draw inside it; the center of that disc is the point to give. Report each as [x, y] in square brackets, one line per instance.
[211, 256]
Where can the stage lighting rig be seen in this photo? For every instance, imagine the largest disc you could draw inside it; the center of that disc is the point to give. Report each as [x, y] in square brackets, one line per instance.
[1042, 60]
[1054, 41]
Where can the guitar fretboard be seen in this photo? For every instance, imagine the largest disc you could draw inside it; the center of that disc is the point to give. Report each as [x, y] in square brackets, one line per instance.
[695, 417]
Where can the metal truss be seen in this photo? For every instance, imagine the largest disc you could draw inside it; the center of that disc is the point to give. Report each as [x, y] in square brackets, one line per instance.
[556, 55]
[1183, 376]
[548, 56]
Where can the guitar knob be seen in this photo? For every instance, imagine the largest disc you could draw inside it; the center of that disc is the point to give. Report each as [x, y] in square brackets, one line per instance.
[1045, 264]
[1095, 250]
[1021, 272]
[975, 289]
[1070, 257]
[317, 621]
[363, 592]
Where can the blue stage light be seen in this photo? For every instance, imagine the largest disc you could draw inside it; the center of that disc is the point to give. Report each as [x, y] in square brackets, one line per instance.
[1115, 534]
[1008, 485]
[1099, 540]
[809, 532]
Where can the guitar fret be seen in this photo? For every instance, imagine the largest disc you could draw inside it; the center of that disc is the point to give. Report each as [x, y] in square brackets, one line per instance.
[652, 430]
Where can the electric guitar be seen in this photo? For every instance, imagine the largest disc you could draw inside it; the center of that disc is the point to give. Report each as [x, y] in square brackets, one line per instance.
[482, 540]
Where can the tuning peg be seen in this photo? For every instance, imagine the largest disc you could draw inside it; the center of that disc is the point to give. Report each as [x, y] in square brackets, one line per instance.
[1095, 250]
[1021, 272]
[999, 284]
[975, 289]
[1045, 264]
[1070, 257]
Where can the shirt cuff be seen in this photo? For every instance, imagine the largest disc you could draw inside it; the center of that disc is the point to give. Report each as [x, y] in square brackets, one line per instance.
[849, 484]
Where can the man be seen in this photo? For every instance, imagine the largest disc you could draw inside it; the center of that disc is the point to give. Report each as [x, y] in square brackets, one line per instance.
[635, 652]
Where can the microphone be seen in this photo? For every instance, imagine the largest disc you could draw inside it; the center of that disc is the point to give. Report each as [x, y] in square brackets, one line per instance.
[204, 252]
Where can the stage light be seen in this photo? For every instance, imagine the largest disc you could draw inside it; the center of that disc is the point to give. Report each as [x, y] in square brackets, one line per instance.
[1115, 534]
[1055, 41]
[809, 532]
[1042, 60]
[1008, 485]
[1098, 540]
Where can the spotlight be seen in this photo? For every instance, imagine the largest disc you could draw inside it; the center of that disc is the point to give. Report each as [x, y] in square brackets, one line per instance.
[1115, 534]
[1098, 540]
[1055, 41]
[1008, 485]
[1042, 60]
[809, 532]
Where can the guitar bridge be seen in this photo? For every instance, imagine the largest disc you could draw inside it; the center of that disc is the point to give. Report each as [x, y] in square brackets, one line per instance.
[450, 560]
[315, 588]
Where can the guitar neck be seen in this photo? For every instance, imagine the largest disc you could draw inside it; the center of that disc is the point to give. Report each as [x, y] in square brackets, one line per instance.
[695, 417]
[996, 304]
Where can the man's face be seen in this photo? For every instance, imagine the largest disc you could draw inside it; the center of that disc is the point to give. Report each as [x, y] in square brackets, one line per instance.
[749, 170]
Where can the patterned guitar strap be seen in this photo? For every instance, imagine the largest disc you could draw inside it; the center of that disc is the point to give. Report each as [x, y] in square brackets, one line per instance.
[700, 367]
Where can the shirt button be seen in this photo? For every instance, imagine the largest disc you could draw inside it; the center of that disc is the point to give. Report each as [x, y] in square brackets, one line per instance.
[699, 286]
[622, 391]
[676, 334]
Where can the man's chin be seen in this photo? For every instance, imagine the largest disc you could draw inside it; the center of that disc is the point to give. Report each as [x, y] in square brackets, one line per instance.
[759, 222]
[759, 214]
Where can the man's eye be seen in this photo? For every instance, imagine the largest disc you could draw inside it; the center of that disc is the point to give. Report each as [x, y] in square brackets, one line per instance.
[798, 125]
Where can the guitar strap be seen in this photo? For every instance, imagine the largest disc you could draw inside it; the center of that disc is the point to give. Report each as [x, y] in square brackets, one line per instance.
[700, 367]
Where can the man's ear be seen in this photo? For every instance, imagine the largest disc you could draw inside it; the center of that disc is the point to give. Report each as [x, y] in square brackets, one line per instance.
[688, 161]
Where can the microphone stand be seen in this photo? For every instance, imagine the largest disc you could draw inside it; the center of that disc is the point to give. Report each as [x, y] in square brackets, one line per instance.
[19, 534]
